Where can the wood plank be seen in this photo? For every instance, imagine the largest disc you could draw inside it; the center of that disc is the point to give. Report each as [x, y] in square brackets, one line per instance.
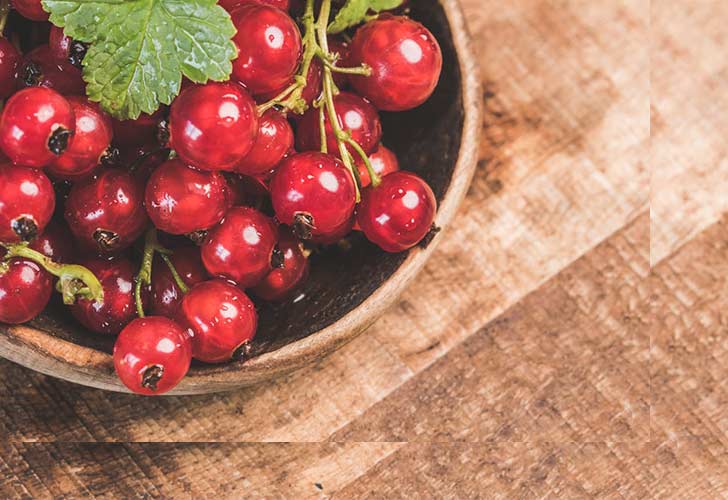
[689, 97]
[569, 363]
[285, 470]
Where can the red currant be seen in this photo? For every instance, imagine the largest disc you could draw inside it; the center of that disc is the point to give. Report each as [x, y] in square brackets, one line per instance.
[241, 247]
[314, 193]
[280, 283]
[269, 47]
[106, 211]
[145, 159]
[166, 295]
[65, 49]
[383, 161]
[31, 9]
[27, 201]
[118, 307]
[397, 214]
[88, 145]
[54, 243]
[221, 319]
[152, 355]
[182, 200]
[405, 59]
[248, 191]
[355, 115]
[143, 130]
[231, 5]
[274, 141]
[25, 289]
[9, 61]
[213, 126]
[59, 44]
[41, 69]
[36, 126]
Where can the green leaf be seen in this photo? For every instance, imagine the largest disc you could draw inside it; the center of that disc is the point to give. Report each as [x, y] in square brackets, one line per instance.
[140, 49]
[356, 11]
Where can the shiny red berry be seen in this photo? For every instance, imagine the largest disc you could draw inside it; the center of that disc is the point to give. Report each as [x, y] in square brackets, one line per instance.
[59, 44]
[88, 145]
[55, 243]
[248, 191]
[313, 193]
[182, 200]
[213, 126]
[355, 115]
[241, 248]
[31, 9]
[142, 131]
[221, 319]
[152, 355]
[166, 295]
[383, 161]
[40, 69]
[36, 126]
[397, 214]
[27, 201]
[118, 307]
[145, 159]
[25, 289]
[405, 59]
[269, 47]
[65, 49]
[231, 5]
[282, 281]
[273, 142]
[106, 211]
[9, 61]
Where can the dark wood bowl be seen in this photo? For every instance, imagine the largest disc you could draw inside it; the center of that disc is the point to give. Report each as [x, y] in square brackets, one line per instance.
[347, 290]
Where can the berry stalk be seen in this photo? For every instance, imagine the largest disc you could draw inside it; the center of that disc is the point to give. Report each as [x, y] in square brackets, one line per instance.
[343, 138]
[73, 280]
[144, 277]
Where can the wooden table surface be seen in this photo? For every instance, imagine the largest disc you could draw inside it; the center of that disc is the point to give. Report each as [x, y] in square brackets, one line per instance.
[568, 339]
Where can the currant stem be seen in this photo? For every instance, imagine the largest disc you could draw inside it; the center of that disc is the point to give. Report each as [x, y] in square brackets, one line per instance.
[73, 280]
[291, 98]
[144, 278]
[322, 128]
[4, 11]
[173, 270]
[329, 88]
[363, 70]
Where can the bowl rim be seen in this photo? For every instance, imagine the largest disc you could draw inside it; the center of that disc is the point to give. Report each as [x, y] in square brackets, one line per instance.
[63, 359]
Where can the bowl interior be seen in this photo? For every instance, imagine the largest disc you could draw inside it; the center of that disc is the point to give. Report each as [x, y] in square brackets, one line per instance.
[426, 141]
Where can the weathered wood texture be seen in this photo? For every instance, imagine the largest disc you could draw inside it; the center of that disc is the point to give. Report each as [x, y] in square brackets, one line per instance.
[567, 339]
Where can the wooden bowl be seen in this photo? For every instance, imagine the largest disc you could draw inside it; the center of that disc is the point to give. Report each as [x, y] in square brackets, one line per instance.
[347, 290]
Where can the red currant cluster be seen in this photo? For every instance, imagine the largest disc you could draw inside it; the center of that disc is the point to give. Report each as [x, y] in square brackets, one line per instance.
[229, 189]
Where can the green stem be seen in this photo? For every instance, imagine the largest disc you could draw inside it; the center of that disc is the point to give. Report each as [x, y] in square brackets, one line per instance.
[173, 270]
[322, 128]
[363, 70]
[291, 98]
[144, 278]
[73, 280]
[329, 87]
[373, 175]
[4, 11]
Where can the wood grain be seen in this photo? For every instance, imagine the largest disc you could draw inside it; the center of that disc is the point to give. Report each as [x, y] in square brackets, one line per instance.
[566, 340]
